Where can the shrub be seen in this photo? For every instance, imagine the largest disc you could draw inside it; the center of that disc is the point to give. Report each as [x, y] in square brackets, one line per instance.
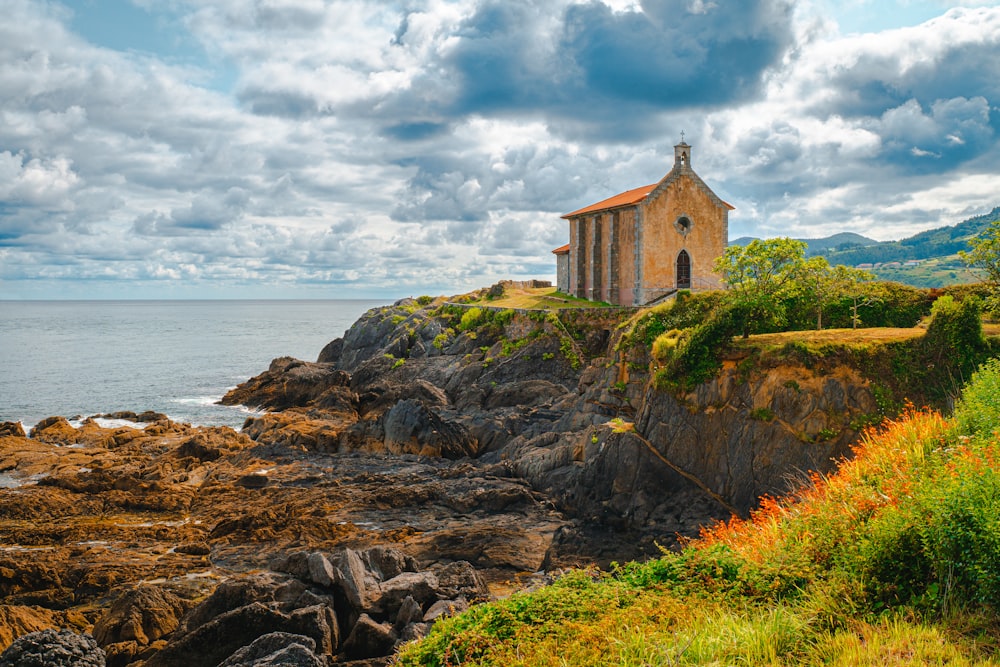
[696, 359]
[665, 344]
[955, 336]
[977, 412]
[470, 318]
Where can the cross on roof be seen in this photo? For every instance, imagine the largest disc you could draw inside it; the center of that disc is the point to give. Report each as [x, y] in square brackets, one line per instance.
[682, 136]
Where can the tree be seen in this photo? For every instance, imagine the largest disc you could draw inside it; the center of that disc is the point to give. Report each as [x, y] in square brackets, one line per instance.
[985, 256]
[759, 275]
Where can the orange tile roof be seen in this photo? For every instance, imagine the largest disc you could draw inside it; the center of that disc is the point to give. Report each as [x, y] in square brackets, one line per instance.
[561, 250]
[627, 198]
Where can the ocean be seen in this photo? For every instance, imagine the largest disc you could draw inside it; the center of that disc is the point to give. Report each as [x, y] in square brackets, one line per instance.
[81, 358]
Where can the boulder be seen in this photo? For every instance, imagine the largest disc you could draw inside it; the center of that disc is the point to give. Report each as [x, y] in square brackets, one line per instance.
[295, 563]
[318, 622]
[369, 639]
[385, 562]
[420, 586]
[321, 572]
[276, 649]
[409, 612]
[53, 648]
[461, 579]
[143, 615]
[354, 580]
[445, 608]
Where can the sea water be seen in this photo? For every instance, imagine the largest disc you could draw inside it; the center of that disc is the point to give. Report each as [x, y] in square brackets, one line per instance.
[80, 358]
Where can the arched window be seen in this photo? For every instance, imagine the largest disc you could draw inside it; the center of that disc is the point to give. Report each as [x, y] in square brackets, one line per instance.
[683, 270]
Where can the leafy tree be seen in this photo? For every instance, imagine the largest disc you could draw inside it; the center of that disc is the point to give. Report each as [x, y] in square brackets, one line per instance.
[985, 256]
[760, 274]
[824, 285]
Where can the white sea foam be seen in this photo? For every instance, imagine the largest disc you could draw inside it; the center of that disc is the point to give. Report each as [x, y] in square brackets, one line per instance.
[108, 423]
[11, 481]
[197, 400]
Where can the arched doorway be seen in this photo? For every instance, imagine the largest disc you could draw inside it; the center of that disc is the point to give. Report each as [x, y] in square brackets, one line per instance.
[683, 270]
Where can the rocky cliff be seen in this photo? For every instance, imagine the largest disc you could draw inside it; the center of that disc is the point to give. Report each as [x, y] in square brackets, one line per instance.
[432, 455]
[556, 400]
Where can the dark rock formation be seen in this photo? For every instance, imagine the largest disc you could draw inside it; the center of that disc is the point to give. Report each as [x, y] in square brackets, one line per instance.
[52, 648]
[276, 649]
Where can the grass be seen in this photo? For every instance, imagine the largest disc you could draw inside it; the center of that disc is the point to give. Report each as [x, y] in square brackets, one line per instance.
[831, 336]
[859, 336]
[894, 559]
[541, 298]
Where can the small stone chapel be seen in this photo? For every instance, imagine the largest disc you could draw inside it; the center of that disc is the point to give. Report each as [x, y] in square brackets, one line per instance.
[645, 244]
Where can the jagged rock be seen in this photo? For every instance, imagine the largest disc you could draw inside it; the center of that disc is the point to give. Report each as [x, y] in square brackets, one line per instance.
[53, 648]
[12, 429]
[228, 596]
[385, 562]
[320, 623]
[142, 615]
[276, 649]
[410, 427]
[354, 580]
[420, 586]
[146, 417]
[295, 564]
[331, 352]
[198, 448]
[526, 393]
[320, 570]
[409, 612]
[461, 579]
[445, 608]
[122, 654]
[287, 383]
[369, 639]
[54, 429]
[415, 631]
[211, 643]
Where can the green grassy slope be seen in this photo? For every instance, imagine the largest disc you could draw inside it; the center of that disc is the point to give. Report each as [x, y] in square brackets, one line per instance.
[895, 559]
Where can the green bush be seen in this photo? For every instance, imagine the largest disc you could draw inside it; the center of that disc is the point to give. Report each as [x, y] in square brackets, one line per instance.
[697, 358]
[977, 412]
[470, 318]
[955, 336]
[686, 311]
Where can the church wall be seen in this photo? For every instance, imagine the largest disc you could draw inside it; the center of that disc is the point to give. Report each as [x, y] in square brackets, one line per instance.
[562, 273]
[626, 256]
[598, 253]
[662, 242]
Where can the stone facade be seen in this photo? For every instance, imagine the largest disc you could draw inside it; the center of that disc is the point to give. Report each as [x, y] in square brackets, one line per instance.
[649, 242]
[562, 268]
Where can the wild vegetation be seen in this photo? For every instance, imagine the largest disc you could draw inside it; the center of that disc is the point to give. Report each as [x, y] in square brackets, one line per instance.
[894, 559]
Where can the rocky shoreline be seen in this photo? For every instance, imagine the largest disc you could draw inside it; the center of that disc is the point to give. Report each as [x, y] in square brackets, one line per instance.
[426, 460]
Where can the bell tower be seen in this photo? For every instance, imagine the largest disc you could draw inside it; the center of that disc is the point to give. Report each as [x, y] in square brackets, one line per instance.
[682, 155]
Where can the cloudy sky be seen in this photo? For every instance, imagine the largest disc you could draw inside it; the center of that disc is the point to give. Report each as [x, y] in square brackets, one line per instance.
[339, 148]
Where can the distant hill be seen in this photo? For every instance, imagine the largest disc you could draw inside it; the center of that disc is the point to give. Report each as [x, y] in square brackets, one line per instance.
[841, 241]
[937, 249]
[938, 242]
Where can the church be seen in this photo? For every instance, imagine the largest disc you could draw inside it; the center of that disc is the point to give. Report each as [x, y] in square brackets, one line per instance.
[646, 243]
